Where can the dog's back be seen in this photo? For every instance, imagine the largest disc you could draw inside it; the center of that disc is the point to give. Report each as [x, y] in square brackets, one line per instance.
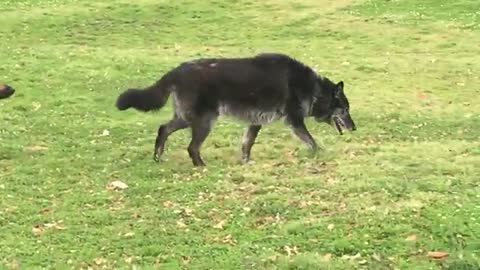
[242, 83]
[255, 89]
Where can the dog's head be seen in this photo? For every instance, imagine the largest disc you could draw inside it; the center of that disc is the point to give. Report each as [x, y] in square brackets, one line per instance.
[6, 91]
[331, 106]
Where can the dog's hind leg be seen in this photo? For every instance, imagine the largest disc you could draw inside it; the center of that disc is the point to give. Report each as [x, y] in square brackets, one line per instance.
[300, 130]
[201, 127]
[163, 132]
[248, 141]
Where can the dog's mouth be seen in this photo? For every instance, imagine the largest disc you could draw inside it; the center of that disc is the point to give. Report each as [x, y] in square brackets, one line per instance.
[339, 124]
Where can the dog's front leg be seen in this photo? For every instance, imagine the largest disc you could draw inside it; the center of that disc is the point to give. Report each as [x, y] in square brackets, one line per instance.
[300, 130]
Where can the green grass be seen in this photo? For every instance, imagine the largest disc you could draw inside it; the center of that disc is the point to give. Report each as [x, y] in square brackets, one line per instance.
[411, 168]
[466, 13]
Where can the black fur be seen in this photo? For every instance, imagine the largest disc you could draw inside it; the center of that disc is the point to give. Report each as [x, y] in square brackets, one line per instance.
[6, 91]
[258, 90]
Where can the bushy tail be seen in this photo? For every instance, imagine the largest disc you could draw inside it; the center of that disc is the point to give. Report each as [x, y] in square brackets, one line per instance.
[148, 99]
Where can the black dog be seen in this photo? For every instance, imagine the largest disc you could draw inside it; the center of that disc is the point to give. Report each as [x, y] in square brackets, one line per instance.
[258, 90]
[6, 91]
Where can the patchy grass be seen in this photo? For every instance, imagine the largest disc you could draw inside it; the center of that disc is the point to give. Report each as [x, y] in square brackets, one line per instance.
[465, 13]
[404, 184]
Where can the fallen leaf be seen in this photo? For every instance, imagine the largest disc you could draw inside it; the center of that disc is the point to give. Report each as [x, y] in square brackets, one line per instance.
[117, 185]
[168, 204]
[105, 133]
[422, 96]
[180, 224]
[186, 260]
[349, 257]
[187, 212]
[129, 234]
[45, 211]
[327, 257]
[291, 251]
[229, 240]
[411, 238]
[38, 230]
[54, 225]
[36, 148]
[100, 261]
[331, 227]
[36, 106]
[129, 260]
[376, 257]
[437, 254]
[220, 225]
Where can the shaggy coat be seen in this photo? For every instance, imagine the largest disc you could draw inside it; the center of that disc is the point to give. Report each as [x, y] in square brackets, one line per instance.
[257, 90]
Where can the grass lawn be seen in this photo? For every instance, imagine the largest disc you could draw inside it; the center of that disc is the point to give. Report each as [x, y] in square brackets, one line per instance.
[406, 183]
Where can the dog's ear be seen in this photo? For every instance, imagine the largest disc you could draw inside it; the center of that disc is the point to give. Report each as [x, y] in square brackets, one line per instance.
[339, 89]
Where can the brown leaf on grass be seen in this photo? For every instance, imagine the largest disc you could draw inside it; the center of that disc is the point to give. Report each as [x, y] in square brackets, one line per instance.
[168, 204]
[187, 212]
[36, 106]
[291, 251]
[318, 169]
[129, 234]
[331, 180]
[41, 228]
[422, 96]
[268, 220]
[437, 255]
[14, 264]
[180, 224]
[54, 225]
[36, 148]
[117, 185]
[38, 230]
[220, 225]
[377, 257]
[229, 240]
[100, 261]
[136, 215]
[327, 257]
[350, 257]
[411, 238]
[186, 260]
[45, 211]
